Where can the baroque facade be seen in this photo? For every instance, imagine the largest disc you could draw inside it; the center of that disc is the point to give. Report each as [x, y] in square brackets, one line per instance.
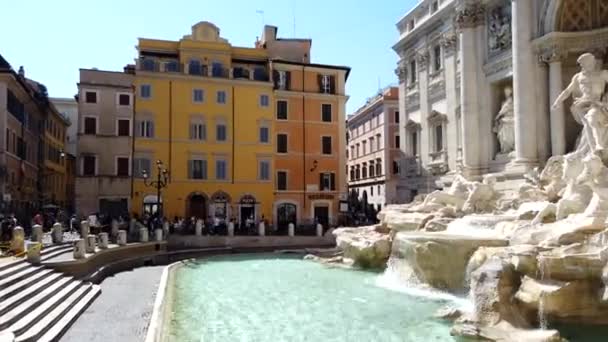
[476, 80]
[373, 151]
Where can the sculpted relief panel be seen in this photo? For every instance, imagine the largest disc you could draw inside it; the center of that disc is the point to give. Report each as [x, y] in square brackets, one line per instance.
[499, 29]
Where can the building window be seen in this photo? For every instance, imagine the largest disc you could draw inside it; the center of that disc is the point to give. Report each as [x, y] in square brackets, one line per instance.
[358, 151]
[372, 169]
[378, 167]
[264, 170]
[124, 127]
[281, 110]
[413, 73]
[327, 84]
[396, 116]
[364, 171]
[145, 91]
[281, 180]
[414, 144]
[197, 95]
[434, 6]
[281, 143]
[197, 169]
[395, 167]
[327, 181]
[364, 144]
[378, 142]
[371, 190]
[220, 132]
[148, 64]
[282, 79]
[88, 165]
[371, 145]
[264, 101]
[326, 112]
[217, 69]
[90, 125]
[352, 173]
[264, 135]
[438, 138]
[358, 172]
[171, 66]
[198, 131]
[124, 99]
[221, 96]
[90, 97]
[437, 58]
[352, 152]
[220, 169]
[140, 165]
[397, 141]
[326, 145]
[146, 129]
[122, 166]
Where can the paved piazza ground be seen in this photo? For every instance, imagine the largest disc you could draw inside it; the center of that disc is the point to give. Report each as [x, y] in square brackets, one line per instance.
[122, 311]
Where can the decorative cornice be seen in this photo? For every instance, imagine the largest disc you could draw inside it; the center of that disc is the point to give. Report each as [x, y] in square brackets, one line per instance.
[422, 59]
[469, 16]
[448, 42]
[401, 71]
[498, 65]
[552, 54]
[554, 45]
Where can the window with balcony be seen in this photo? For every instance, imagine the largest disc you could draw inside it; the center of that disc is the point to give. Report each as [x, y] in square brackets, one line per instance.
[221, 97]
[195, 67]
[326, 141]
[260, 74]
[264, 100]
[197, 169]
[122, 166]
[220, 132]
[282, 79]
[327, 84]
[281, 110]
[145, 129]
[264, 170]
[220, 169]
[171, 66]
[326, 112]
[327, 181]
[89, 97]
[281, 143]
[145, 91]
[124, 127]
[217, 69]
[198, 130]
[281, 180]
[89, 165]
[148, 64]
[90, 125]
[240, 72]
[198, 95]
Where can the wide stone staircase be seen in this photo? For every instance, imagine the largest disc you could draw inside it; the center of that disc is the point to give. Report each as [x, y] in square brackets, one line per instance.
[38, 303]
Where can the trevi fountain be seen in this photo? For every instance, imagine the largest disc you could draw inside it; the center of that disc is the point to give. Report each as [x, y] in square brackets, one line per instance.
[526, 260]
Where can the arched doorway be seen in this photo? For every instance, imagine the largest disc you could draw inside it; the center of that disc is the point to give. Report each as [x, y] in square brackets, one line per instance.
[151, 204]
[197, 206]
[286, 214]
[247, 205]
[220, 204]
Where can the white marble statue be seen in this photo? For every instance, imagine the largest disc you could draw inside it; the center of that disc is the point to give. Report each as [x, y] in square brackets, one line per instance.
[547, 186]
[595, 175]
[590, 107]
[499, 30]
[504, 123]
[455, 196]
[481, 196]
[574, 197]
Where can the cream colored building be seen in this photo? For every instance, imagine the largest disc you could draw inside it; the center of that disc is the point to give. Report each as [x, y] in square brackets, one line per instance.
[456, 59]
[373, 150]
[105, 126]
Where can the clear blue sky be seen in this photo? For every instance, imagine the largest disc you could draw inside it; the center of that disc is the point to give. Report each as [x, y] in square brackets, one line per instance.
[53, 39]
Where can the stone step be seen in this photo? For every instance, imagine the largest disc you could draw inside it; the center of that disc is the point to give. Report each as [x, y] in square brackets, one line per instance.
[23, 284]
[56, 252]
[55, 248]
[5, 266]
[61, 326]
[27, 313]
[21, 274]
[30, 291]
[17, 267]
[44, 323]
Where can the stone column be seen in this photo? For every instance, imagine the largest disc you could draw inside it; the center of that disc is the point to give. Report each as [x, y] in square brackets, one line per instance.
[262, 229]
[198, 228]
[526, 152]
[18, 241]
[467, 21]
[158, 234]
[103, 240]
[143, 234]
[37, 233]
[558, 116]
[319, 229]
[448, 44]
[122, 238]
[84, 229]
[291, 230]
[543, 138]
[91, 242]
[230, 228]
[57, 234]
[33, 253]
[79, 249]
[422, 61]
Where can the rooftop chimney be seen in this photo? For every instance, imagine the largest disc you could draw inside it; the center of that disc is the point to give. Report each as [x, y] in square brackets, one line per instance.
[21, 72]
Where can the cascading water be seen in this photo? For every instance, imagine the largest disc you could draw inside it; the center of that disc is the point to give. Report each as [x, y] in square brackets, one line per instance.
[544, 274]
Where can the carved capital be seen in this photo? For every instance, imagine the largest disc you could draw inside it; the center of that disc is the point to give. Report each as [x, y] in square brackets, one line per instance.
[422, 59]
[448, 42]
[469, 15]
[553, 54]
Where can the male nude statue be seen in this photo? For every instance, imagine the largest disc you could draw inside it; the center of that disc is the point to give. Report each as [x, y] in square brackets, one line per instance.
[589, 109]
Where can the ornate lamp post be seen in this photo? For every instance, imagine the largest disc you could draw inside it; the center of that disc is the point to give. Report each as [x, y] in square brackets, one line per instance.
[161, 182]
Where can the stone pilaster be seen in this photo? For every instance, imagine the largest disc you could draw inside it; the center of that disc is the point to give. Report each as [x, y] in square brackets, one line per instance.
[553, 58]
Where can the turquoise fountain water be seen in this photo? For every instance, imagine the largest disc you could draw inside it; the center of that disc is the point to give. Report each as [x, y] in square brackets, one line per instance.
[278, 298]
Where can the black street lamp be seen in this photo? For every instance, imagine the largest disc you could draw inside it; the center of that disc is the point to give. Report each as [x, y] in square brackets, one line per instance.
[161, 181]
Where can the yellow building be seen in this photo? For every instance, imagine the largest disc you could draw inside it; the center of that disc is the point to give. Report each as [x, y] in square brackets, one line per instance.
[54, 178]
[207, 110]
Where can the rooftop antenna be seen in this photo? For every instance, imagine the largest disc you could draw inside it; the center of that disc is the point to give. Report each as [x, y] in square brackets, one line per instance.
[261, 13]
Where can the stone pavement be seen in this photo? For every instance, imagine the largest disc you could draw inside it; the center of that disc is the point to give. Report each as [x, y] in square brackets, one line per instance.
[122, 312]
